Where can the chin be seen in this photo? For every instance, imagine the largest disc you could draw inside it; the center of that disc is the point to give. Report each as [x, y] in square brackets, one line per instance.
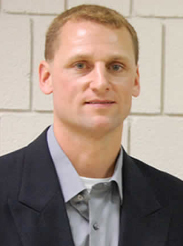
[103, 125]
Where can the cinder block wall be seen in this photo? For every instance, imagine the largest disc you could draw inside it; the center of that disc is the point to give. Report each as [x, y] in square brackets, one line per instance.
[154, 130]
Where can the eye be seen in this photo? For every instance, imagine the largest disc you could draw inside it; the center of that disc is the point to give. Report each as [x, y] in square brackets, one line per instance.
[80, 65]
[116, 67]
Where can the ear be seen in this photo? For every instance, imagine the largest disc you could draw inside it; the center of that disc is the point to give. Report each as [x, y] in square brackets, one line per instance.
[45, 82]
[136, 86]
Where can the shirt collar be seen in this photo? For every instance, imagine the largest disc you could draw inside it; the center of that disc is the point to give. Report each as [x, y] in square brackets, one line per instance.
[69, 180]
[117, 175]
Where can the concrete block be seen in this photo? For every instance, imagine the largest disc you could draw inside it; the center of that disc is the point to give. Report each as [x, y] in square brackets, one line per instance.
[163, 8]
[158, 141]
[123, 6]
[174, 67]
[125, 135]
[15, 62]
[33, 6]
[18, 130]
[150, 42]
[40, 25]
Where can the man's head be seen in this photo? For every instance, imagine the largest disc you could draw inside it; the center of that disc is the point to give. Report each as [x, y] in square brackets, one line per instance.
[93, 13]
[91, 69]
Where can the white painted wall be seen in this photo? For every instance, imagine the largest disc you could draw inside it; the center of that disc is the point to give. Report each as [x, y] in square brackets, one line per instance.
[154, 130]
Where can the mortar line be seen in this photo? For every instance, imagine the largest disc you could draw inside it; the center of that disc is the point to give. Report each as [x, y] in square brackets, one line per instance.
[31, 64]
[30, 13]
[131, 7]
[65, 5]
[0, 134]
[129, 137]
[144, 114]
[163, 54]
[25, 112]
[14, 111]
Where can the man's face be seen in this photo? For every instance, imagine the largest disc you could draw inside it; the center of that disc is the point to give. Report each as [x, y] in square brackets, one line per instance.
[93, 77]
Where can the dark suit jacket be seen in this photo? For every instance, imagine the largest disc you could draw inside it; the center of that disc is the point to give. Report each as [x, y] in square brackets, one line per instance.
[33, 213]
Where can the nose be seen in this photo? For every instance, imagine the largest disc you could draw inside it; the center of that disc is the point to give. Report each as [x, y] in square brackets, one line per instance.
[100, 80]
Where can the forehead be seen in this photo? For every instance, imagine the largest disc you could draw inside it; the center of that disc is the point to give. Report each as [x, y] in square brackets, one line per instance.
[91, 37]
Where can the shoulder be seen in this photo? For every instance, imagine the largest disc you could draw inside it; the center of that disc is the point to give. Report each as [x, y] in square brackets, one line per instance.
[18, 155]
[155, 173]
[165, 184]
[10, 174]
[9, 161]
[168, 191]
[12, 164]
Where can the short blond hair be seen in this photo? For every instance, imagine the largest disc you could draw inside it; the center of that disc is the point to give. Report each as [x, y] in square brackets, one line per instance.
[93, 13]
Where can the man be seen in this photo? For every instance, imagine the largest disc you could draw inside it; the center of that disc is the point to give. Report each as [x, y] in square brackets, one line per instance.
[75, 185]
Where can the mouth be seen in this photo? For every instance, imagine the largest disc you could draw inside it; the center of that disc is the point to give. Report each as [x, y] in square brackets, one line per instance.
[100, 102]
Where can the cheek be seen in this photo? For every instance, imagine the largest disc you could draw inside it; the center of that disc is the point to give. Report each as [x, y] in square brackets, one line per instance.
[124, 89]
[66, 90]
[125, 96]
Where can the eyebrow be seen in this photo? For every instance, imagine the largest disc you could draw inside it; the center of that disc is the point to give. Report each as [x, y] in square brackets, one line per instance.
[79, 57]
[89, 57]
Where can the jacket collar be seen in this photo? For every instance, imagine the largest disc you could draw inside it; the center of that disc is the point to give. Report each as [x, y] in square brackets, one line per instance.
[39, 178]
[40, 182]
[138, 189]
[144, 217]
[40, 213]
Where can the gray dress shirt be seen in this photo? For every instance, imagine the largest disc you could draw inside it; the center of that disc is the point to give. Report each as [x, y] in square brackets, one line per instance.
[94, 216]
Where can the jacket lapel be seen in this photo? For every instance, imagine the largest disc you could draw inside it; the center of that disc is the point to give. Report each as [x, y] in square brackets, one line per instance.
[144, 220]
[40, 214]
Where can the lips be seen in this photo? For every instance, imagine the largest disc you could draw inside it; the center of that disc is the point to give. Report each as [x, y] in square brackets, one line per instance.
[100, 102]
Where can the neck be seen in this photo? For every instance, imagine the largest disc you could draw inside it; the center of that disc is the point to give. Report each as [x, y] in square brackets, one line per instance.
[92, 157]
